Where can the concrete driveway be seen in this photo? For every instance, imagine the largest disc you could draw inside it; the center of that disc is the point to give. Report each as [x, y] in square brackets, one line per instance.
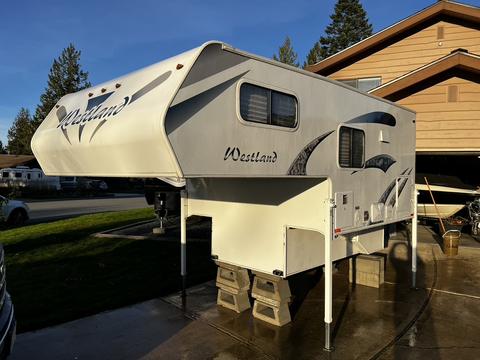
[439, 320]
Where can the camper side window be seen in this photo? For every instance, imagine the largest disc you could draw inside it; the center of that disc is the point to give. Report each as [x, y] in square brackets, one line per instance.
[351, 147]
[266, 106]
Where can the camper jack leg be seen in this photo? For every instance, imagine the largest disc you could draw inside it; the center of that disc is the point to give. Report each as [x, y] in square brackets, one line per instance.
[183, 242]
[328, 275]
[414, 240]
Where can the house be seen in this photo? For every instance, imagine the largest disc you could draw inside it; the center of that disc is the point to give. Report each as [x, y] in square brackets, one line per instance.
[429, 62]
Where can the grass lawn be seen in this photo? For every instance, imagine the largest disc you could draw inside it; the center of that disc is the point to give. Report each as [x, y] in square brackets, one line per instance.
[58, 271]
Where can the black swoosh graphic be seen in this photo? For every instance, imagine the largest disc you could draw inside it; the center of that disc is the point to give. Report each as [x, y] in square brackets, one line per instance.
[97, 100]
[382, 162]
[375, 117]
[100, 124]
[393, 200]
[150, 86]
[299, 165]
[390, 187]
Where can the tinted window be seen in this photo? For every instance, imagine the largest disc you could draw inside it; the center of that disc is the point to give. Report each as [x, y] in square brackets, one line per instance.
[5, 174]
[351, 147]
[266, 106]
[365, 84]
[18, 175]
[255, 103]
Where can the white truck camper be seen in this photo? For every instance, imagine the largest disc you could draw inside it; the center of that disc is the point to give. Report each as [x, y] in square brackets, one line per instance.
[295, 170]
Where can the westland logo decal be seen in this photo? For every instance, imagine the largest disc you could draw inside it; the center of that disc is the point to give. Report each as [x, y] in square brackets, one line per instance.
[97, 109]
[235, 154]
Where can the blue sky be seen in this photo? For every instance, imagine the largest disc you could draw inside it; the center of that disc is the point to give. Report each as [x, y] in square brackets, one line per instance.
[119, 36]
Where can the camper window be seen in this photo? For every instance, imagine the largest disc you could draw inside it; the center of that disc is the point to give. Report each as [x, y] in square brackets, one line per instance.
[266, 106]
[5, 174]
[18, 175]
[351, 147]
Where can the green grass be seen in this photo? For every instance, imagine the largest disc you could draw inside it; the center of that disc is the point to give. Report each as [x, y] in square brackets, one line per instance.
[58, 271]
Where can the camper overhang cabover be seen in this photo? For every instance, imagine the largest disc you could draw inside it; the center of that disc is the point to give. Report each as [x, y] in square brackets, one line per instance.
[295, 170]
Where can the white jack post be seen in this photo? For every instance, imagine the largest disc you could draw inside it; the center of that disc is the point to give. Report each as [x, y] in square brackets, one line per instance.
[414, 240]
[183, 242]
[328, 273]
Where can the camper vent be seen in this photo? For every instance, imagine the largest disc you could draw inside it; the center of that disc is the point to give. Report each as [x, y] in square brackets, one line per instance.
[351, 147]
[262, 105]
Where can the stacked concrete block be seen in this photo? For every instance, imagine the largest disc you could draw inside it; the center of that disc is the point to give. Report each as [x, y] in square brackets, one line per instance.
[367, 270]
[272, 296]
[233, 284]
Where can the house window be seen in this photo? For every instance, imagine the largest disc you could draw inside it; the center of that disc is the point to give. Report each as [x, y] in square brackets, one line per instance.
[365, 84]
[266, 106]
[351, 147]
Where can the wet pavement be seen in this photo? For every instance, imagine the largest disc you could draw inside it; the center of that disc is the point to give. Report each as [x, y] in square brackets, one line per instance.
[438, 320]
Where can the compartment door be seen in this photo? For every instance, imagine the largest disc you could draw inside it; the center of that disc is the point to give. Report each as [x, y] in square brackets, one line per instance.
[344, 209]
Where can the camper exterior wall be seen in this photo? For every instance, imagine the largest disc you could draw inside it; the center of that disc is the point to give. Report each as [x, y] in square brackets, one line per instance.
[204, 125]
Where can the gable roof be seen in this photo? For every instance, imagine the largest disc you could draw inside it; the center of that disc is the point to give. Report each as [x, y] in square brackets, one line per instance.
[459, 63]
[450, 11]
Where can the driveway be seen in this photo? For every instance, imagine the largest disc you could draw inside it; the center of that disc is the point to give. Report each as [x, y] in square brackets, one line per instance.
[439, 320]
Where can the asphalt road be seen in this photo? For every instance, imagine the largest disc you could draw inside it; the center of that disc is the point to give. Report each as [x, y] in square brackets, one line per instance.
[50, 210]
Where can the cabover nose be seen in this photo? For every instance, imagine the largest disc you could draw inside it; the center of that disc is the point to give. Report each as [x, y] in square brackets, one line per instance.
[115, 129]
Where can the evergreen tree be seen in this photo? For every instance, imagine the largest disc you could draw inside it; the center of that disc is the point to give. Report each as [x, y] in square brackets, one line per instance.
[3, 149]
[20, 134]
[286, 54]
[66, 76]
[314, 55]
[349, 25]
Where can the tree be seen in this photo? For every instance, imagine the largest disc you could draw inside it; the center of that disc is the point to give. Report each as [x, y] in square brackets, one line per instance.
[3, 149]
[349, 25]
[66, 76]
[314, 55]
[20, 134]
[286, 54]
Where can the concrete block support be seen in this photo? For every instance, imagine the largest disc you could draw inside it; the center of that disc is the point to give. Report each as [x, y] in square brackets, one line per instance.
[272, 296]
[367, 270]
[233, 276]
[233, 299]
[233, 284]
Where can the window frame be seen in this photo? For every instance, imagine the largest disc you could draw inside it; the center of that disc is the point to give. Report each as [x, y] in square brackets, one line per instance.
[338, 147]
[271, 88]
[343, 81]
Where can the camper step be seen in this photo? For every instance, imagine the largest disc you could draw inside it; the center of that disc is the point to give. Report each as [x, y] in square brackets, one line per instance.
[275, 315]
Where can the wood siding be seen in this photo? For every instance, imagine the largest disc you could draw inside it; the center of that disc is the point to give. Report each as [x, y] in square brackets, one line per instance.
[413, 52]
[444, 125]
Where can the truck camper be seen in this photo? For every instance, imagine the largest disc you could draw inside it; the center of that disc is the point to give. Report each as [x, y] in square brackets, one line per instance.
[295, 170]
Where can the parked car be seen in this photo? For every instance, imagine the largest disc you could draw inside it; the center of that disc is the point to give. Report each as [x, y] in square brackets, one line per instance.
[8, 323]
[13, 212]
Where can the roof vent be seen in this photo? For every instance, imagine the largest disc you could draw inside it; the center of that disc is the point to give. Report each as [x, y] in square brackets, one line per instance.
[459, 50]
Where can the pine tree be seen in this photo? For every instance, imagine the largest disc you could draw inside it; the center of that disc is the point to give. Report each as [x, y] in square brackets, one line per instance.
[20, 134]
[286, 54]
[3, 149]
[66, 76]
[349, 25]
[314, 55]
